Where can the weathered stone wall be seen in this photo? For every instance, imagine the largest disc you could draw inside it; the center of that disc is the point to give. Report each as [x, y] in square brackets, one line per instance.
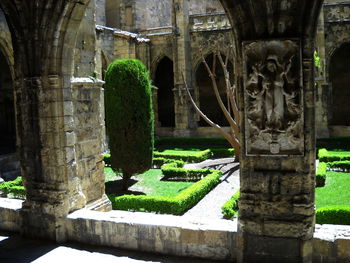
[85, 50]
[203, 7]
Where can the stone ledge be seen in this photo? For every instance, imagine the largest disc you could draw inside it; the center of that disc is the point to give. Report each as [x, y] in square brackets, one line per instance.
[87, 82]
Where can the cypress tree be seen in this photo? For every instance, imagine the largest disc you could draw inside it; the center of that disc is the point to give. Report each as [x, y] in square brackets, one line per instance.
[129, 117]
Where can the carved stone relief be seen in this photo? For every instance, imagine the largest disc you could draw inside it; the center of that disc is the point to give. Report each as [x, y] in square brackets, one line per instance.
[273, 98]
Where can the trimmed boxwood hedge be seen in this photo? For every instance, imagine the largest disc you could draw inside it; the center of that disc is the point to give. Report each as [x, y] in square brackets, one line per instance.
[338, 215]
[230, 208]
[325, 156]
[14, 188]
[341, 166]
[168, 205]
[321, 174]
[174, 171]
[188, 158]
[197, 157]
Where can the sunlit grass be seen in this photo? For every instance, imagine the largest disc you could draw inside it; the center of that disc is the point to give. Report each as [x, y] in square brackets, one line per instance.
[151, 184]
[335, 192]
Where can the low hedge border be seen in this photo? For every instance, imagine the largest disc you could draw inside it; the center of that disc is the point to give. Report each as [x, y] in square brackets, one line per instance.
[197, 157]
[230, 208]
[168, 205]
[14, 188]
[325, 156]
[160, 158]
[321, 174]
[174, 172]
[337, 215]
[188, 158]
[339, 166]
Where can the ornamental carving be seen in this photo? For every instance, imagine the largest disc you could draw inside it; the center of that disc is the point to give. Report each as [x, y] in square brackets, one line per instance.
[273, 98]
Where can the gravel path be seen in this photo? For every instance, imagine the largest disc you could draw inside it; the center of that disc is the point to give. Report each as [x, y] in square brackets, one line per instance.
[210, 205]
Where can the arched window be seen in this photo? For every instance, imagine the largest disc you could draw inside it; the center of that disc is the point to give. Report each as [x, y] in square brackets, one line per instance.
[339, 72]
[207, 99]
[164, 81]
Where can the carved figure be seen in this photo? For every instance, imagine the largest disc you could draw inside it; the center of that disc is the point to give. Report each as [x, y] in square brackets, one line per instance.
[273, 106]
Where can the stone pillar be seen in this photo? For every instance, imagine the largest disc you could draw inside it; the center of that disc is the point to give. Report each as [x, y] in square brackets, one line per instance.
[182, 67]
[88, 115]
[47, 154]
[274, 71]
[322, 93]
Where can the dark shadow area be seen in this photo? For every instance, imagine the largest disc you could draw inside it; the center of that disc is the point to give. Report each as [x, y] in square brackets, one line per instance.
[17, 249]
[7, 109]
[339, 77]
[164, 81]
[207, 98]
[115, 187]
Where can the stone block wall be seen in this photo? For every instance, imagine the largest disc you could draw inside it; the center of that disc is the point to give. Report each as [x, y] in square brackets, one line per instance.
[88, 134]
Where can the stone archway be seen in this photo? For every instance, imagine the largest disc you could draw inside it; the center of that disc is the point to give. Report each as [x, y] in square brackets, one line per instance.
[207, 100]
[164, 81]
[339, 72]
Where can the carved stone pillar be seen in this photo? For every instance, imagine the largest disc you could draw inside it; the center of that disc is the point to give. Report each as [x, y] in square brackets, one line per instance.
[274, 45]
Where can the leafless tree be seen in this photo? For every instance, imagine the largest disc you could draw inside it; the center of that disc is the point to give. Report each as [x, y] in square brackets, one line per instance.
[230, 110]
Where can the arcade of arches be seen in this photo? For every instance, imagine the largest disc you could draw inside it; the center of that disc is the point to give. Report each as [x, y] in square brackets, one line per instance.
[60, 126]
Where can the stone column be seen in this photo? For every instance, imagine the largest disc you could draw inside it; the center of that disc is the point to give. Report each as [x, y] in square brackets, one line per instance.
[182, 67]
[323, 91]
[274, 71]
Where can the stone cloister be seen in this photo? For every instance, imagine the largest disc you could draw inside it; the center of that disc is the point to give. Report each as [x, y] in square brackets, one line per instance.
[54, 67]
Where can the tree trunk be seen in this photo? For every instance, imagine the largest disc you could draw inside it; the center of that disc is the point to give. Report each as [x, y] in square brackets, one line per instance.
[126, 177]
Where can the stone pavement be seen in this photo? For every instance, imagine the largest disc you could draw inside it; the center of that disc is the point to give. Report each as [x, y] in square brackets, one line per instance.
[15, 249]
[210, 205]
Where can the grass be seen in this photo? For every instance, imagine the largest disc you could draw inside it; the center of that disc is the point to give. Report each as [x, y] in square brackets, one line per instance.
[335, 192]
[150, 184]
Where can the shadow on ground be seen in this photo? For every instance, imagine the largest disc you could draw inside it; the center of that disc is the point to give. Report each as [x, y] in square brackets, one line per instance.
[14, 248]
[115, 187]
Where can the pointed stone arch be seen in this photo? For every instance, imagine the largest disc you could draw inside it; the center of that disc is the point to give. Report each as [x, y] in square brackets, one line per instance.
[339, 79]
[164, 81]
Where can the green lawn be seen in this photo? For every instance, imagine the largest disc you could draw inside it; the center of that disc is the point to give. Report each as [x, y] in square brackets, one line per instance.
[150, 184]
[335, 192]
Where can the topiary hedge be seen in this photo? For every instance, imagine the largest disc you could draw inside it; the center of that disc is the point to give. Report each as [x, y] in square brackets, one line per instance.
[230, 208]
[129, 117]
[338, 215]
[14, 188]
[168, 205]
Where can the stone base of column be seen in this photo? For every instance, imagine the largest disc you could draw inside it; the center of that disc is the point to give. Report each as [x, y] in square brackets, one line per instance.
[260, 249]
[102, 205]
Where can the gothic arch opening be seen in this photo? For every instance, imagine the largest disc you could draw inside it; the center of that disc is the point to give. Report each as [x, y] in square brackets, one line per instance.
[207, 100]
[164, 81]
[112, 9]
[339, 72]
